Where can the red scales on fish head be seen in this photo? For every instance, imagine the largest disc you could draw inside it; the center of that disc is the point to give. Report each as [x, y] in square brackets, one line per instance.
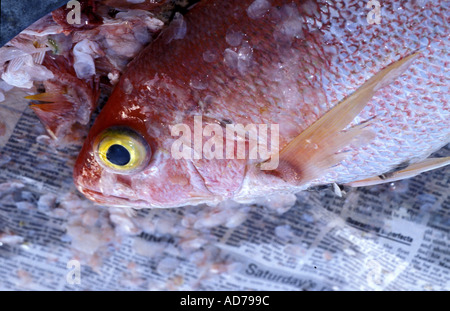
[259, 64]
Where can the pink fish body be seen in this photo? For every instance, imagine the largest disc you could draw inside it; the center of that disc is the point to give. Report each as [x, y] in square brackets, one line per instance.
[278, 64]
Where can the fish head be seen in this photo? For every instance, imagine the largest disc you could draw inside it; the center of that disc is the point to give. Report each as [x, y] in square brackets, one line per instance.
[126, 159]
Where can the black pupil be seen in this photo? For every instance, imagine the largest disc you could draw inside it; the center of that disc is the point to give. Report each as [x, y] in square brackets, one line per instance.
[118, 155]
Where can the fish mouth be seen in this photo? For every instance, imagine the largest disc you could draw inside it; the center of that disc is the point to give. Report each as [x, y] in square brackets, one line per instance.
[114, 201]
[117, 201]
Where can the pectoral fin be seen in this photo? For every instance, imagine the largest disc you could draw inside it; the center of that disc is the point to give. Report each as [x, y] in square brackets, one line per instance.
[312, 152]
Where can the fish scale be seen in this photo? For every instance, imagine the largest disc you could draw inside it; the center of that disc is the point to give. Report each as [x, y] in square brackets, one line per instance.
[400, 135]
[295, 61]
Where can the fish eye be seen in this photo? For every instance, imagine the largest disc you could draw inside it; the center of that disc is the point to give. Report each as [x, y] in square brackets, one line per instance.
[122, 150]
[118, 155]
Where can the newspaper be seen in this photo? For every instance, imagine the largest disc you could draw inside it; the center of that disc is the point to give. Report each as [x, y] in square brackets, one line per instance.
[387, 237]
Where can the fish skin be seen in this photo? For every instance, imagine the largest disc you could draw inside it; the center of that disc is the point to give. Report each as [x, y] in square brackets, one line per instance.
[335, 51]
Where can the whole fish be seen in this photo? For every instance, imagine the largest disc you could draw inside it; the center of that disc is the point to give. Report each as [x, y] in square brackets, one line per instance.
[318, 91]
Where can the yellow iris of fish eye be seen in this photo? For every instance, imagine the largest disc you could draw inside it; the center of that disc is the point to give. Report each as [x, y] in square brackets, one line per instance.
[127, 142]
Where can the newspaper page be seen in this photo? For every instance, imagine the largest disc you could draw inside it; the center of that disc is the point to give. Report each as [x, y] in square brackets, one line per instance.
[388, 237]
[394, 236]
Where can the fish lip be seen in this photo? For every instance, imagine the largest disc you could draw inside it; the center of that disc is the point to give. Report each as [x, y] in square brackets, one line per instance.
[108, 200]
[114, 201]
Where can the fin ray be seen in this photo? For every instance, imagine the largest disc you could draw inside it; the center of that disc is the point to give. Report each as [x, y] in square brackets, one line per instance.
[51, 97]
[411, 171]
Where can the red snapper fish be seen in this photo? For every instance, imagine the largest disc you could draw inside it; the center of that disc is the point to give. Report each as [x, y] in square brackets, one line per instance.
[240, 99]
